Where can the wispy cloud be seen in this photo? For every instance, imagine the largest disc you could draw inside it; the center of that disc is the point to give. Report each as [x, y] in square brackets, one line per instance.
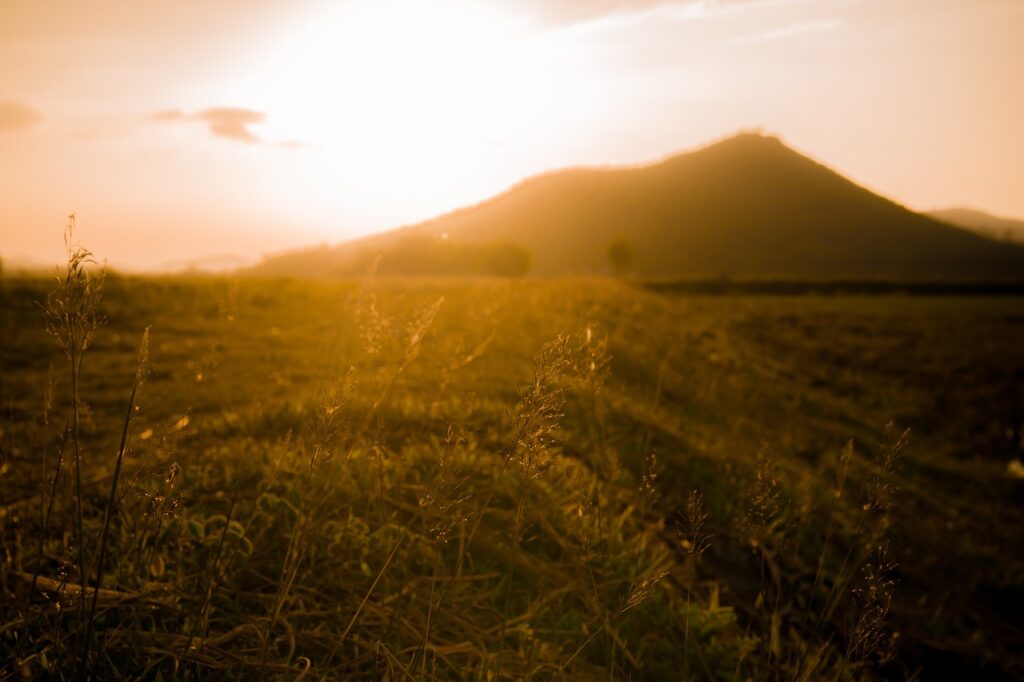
[18, 116]
[786, 32]
[230, 123]
[711, 7]
[603, 16]
[233, 123]
[568, 12]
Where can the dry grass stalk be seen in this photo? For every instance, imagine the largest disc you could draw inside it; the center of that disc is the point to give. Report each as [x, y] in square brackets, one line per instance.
[73, 316]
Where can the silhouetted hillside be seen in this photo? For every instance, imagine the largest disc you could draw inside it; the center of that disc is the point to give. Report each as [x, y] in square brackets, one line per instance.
[986, 224]
[745, 206]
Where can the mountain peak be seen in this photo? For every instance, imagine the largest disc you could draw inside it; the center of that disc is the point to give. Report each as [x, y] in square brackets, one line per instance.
[753, 147]
[750, 137]
[749, 140]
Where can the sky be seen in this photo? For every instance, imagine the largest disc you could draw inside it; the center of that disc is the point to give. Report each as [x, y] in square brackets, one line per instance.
[219, 131]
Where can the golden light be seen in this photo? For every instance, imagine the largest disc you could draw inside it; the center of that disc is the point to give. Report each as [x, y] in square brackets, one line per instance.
[416, 95]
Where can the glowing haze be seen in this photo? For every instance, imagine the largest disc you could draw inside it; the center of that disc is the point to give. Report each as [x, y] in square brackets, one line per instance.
[190, 129]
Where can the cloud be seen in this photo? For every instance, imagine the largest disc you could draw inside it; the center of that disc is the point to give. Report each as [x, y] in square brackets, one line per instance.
[230, 123]
[17, 116]
[233, 123]
[787, 32]
[565, 12]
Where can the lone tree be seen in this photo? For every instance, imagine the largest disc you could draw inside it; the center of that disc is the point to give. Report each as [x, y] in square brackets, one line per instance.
[620, 256]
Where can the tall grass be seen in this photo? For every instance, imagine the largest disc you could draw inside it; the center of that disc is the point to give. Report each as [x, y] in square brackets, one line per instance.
[344, 538]
[73, 316]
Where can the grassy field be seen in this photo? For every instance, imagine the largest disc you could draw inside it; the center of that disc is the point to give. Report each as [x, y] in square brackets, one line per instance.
[508, 479]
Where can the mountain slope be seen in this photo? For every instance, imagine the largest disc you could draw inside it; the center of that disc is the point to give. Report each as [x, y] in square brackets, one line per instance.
[985, 224]
[745, 206]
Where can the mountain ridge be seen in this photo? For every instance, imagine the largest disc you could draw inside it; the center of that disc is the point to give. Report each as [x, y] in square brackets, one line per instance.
[746, 205]
[984, 223]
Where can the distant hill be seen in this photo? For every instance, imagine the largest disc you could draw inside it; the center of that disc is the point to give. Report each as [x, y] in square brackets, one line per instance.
[212, 264]
[994, 227]
[745, 206]
[19, 265]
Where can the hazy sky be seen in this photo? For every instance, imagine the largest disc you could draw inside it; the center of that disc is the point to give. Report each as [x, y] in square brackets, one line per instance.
[177, 130]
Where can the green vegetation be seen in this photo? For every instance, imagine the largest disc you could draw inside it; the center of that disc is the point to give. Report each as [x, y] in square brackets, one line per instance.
[747, 206]
[505, 479]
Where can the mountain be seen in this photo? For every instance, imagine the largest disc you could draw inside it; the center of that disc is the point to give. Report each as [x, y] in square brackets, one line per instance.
[986, 224]
[745, 206]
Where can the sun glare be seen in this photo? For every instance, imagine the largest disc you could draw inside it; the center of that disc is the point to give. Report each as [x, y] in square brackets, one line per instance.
[434, 87]
[413, 100]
